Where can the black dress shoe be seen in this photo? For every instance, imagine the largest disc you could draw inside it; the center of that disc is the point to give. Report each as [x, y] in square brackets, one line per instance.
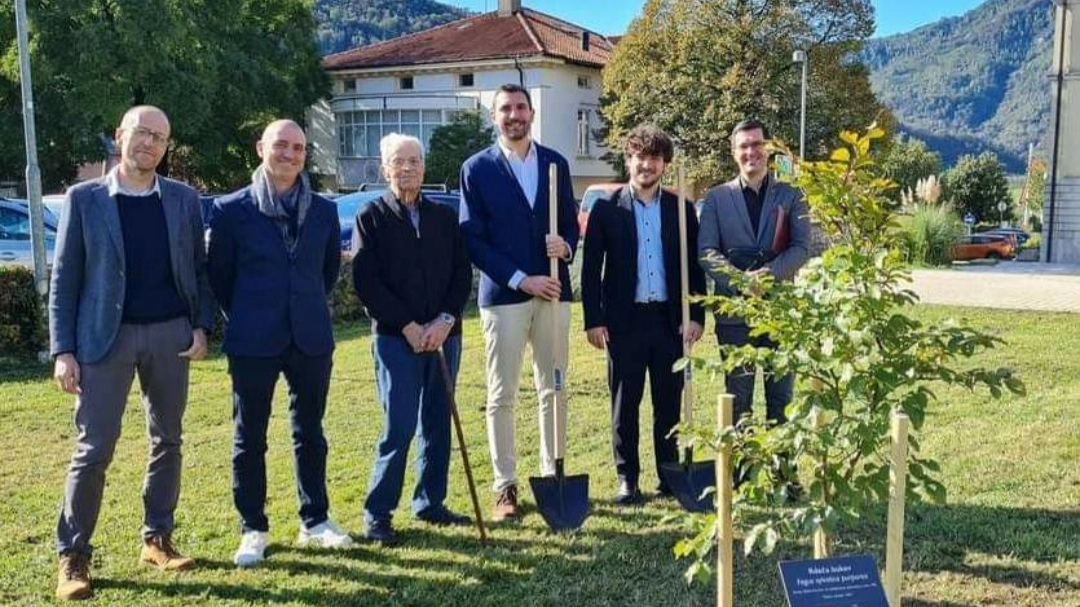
[628, 494]
[443, 516]
[382, 532]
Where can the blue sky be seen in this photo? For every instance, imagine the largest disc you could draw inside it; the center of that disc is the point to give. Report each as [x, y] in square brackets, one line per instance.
[612, 16]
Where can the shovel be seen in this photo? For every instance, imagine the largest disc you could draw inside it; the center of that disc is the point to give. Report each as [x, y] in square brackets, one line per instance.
[686, 479]
[448, 380]
[562, 500]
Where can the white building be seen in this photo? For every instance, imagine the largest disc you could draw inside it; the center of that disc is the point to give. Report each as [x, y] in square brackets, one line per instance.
[415, 83]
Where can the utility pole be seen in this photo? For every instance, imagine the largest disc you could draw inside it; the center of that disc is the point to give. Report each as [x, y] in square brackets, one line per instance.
[33, 173]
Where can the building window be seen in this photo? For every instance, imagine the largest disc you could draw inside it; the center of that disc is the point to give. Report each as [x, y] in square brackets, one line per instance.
[465, 80]
[405, 83]
[359, 131]
[349, 85]
[583, 82]
[583, 133]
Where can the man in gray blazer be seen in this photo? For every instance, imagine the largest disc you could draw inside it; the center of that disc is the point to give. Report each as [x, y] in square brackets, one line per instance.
[758, 225]
[129, 295]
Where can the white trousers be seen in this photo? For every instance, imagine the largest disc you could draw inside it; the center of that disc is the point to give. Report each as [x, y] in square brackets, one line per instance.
[546, 327]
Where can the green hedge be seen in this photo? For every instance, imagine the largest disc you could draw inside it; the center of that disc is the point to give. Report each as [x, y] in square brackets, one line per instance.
[22, 323]
[343, 301]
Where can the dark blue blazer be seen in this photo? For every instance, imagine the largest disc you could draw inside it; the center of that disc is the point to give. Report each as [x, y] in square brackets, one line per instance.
[609, 270]
[272, 298]
[503, 233]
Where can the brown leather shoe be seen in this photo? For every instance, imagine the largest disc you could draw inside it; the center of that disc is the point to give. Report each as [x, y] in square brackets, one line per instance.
[506, 506]
[73, 583]
[158, 551]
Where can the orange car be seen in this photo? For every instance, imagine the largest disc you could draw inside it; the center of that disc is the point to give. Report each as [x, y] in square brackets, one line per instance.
[984, 246]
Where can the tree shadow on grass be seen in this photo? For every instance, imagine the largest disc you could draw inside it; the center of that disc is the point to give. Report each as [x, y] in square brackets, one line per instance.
[1000, 545]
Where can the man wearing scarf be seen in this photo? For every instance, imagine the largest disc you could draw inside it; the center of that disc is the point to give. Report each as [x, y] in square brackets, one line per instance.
[273, 260]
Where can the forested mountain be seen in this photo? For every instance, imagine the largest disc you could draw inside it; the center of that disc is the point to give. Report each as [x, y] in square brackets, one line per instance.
[345, 24]
[971, 83]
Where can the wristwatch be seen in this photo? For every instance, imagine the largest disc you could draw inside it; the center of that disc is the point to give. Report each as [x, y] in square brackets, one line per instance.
[447, 319]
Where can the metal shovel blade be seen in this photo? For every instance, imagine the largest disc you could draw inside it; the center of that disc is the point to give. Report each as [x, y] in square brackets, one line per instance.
[687, 481]
[562, 500]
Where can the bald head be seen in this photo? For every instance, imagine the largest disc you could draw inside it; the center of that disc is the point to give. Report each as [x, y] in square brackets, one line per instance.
[142, 138]
[283, 149]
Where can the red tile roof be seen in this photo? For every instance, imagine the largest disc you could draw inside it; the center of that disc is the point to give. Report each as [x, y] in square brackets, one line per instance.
[483, 37]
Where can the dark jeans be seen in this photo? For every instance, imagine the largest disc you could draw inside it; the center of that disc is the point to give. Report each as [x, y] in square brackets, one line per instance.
[150, 351]
[253, 380]
[415, 402]
[740, 383]
[651, 346]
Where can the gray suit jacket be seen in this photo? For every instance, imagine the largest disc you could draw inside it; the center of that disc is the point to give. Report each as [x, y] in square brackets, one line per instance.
[86, 297]
[725, 225]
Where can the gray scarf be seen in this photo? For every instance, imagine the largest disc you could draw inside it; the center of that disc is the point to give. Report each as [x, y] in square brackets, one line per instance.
[287, 210]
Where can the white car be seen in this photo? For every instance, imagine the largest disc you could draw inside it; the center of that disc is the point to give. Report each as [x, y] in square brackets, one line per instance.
[15, 233]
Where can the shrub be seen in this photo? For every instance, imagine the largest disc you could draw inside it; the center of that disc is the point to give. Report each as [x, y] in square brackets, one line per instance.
[930, 234]
[343, 301]
[22, 325]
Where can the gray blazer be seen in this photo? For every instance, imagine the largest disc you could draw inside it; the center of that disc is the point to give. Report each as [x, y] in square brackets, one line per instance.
[86, 297]
[725, 224]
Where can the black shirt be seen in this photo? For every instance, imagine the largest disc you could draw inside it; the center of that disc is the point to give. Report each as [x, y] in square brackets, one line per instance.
[755, 201]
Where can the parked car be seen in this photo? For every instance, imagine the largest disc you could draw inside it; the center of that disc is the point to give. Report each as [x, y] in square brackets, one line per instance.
[55, 203]
[350, 204]
[593, 193]
[1020, 235]
[984, 246]
[15, 233]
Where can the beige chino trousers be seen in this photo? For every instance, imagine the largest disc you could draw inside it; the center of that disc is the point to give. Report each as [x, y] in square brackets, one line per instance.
[507, 329]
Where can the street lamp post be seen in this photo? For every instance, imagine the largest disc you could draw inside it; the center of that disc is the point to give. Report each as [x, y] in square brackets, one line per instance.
[33, 174]
[799, 56]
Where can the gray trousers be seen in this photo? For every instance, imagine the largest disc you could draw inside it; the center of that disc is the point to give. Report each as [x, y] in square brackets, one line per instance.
[151, 351]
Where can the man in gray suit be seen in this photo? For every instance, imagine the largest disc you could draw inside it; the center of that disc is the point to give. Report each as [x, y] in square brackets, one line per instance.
[129, 296]
[757, 225]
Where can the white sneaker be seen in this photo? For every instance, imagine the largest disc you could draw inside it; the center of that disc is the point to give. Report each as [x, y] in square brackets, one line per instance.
[251, 550]
[325, 535]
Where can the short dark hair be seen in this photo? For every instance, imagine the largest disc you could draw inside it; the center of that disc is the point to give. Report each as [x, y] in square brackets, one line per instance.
[511, 88]
[750, 124]
[649, 140]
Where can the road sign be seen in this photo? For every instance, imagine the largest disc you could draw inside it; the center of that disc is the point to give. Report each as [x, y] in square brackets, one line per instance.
[969, 219]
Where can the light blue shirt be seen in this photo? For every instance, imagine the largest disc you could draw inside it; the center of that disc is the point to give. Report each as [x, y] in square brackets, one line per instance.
[651, 280]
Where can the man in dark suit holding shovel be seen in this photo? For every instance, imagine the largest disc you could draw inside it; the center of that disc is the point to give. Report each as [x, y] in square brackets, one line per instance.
[631, 290]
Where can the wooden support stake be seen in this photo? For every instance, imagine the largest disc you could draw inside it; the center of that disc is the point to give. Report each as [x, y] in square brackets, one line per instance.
[725, 570]
[821, 539]
[894, 544]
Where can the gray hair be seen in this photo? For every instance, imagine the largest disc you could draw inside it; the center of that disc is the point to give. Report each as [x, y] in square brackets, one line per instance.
[393, 141]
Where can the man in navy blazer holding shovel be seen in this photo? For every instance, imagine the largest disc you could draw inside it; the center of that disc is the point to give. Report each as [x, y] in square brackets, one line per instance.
[274, 255]
[758, 225]
[504, 217]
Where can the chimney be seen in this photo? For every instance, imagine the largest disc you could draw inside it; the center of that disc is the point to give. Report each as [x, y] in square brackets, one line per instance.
[508, 8]
[585, 41]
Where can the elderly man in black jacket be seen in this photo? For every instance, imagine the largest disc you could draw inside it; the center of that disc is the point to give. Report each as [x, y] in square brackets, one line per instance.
[411, 271]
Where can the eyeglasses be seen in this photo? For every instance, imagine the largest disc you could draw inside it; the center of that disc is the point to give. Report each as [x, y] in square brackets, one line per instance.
[411, 161]
[144, 133]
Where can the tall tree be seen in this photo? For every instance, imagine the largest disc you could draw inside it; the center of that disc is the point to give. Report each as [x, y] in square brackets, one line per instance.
[452, 144]
[696, 67]
[220, 69]
[907, 161]
[977, 184]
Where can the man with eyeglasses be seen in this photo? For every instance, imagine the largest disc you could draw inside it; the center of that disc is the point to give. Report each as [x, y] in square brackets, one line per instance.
[129, 296]
[274, 255]
[411, 271]
[756, 225]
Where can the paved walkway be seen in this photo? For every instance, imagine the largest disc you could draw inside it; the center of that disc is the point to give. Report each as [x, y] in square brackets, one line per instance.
[1010, 284]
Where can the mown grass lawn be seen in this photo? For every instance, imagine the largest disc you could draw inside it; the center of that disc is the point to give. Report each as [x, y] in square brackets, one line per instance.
[1009, 535]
